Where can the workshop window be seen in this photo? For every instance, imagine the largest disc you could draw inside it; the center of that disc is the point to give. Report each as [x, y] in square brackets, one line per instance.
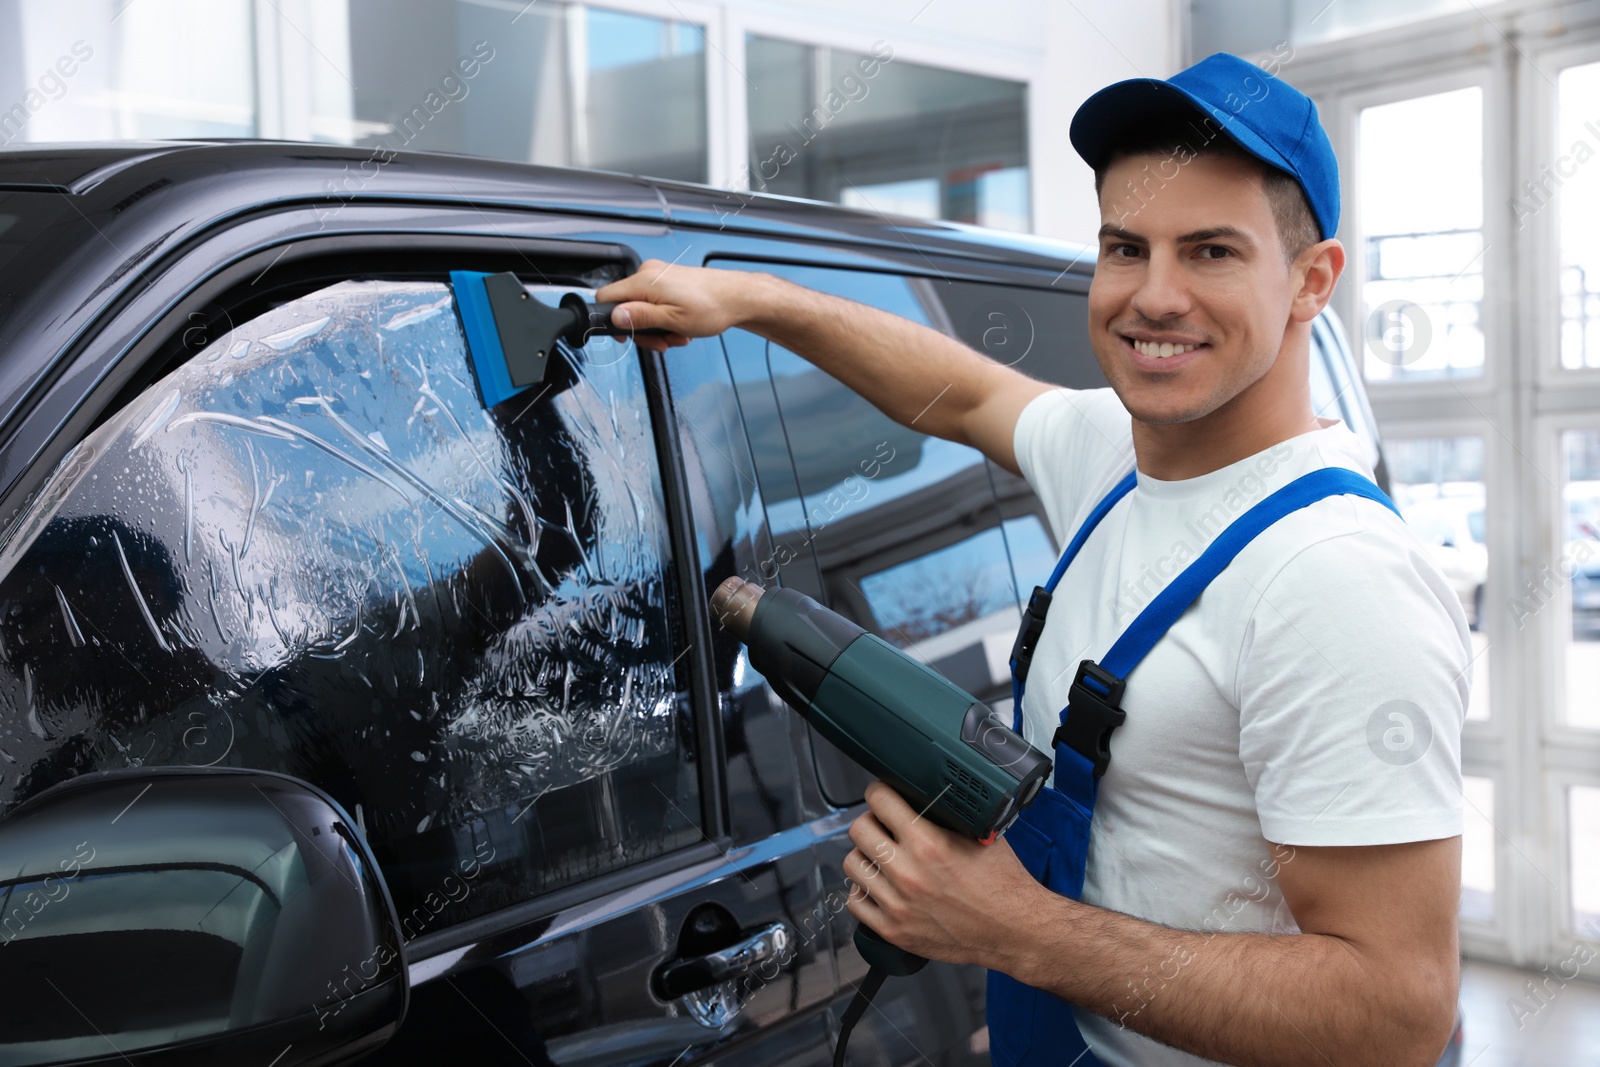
[1421, 242]
[874, 131]
[146, 70]
[310, 549]
[1577, 185]
[554, 83]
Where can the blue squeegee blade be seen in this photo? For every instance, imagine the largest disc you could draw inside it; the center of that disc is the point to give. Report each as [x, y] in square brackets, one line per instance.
[484, 353]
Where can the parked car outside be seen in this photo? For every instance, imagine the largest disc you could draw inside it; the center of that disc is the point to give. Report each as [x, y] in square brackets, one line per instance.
[1453, 529]
[1583, 556]
[259, 536]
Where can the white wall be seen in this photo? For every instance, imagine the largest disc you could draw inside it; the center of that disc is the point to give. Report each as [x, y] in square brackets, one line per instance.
[1089, 45]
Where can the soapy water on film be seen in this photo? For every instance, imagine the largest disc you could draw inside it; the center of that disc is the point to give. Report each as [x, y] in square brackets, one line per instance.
[311, 549]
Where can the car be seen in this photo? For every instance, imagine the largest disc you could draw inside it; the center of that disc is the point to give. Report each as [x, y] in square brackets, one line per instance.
[342, 715]
[1453, 529]
[1582, 556]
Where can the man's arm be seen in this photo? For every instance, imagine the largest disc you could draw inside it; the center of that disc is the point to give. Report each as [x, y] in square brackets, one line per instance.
[1371, 979]
[915, 375]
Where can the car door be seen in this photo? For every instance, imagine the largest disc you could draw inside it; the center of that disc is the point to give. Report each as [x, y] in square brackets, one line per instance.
[309, 548]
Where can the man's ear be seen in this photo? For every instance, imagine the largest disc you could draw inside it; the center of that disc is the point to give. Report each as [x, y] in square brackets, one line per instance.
[1314, 274]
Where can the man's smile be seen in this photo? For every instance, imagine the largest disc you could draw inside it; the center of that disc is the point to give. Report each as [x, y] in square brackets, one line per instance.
[1154, 351]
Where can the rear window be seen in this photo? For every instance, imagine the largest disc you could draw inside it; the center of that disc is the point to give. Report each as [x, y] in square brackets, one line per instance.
[1044, 333]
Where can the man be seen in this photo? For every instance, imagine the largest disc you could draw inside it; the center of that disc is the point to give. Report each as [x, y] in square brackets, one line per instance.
[1290, 761]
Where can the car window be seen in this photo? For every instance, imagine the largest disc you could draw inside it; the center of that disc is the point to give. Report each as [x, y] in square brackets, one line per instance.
[1325, 399]
[310, 549]
[1033, 555]
[941, 590]
[791, 558]
[1326, 337]
[871, 498]
[1044, 333]
[725, 469]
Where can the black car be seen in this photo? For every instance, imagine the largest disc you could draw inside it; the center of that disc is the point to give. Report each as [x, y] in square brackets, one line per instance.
[343, 715]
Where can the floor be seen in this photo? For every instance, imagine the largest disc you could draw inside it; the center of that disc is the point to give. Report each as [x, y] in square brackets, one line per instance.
[1564, 1031]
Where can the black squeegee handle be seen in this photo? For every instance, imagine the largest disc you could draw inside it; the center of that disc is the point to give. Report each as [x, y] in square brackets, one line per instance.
[596, 319]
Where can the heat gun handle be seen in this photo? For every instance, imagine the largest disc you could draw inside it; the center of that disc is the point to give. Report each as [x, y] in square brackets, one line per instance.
[888, 958]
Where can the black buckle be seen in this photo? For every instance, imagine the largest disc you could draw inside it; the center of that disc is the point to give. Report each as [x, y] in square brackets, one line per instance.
[1092, 713]
[1028, 633]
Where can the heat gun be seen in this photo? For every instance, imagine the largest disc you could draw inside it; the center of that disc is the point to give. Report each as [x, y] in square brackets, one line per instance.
[945, 752]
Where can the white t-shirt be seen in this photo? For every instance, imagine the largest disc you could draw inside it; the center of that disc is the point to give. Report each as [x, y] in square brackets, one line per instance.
[1313, 695]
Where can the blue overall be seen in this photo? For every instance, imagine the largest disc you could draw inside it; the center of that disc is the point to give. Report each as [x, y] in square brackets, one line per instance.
[1028, 1026]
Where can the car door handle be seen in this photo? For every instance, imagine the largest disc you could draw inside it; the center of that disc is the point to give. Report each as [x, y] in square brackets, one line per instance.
[679, 977]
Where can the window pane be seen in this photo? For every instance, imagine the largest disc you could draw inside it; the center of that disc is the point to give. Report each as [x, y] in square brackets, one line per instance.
[942, 590]
[1044, 333]
[151, 69]
[1324, 397]
[311, 550]
[394, 75]
[644, 107]
[1422, 260]
[1577, 184]
[877, 132]
[1033, 554]
[1477, 850]
[1437, 483]
[1243, 28]
[1583, 875]
[557, 84]
[1578, 569]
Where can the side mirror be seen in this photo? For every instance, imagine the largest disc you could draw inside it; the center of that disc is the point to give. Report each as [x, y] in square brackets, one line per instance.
[193, 916]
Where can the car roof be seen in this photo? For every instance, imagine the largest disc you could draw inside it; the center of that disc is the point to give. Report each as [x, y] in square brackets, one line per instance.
[272, 172]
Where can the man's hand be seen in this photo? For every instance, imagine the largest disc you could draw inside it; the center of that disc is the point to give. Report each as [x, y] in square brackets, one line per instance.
[930, 891]
[1371, 978]
[686, 301]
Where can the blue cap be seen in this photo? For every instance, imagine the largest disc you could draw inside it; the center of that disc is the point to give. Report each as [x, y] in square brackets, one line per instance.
[1264, 115]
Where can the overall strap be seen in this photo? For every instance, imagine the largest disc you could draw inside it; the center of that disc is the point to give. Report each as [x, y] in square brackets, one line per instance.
[1159, 615]
[1093, 708]
[1107, 502]
[1039, 602]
